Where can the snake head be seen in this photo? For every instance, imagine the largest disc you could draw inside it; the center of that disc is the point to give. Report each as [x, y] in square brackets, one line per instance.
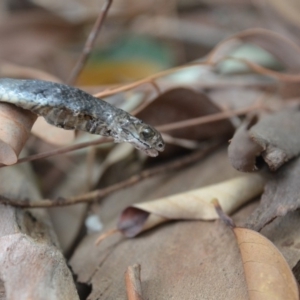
[143, 136]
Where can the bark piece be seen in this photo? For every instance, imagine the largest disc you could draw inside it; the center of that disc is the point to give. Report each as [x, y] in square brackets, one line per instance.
[281, 196]
[243, 151]
[275, 137]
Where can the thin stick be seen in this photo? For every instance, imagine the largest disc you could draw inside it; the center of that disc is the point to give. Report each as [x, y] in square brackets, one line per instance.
[89, 43]
[106, 235]
[61, 150]
[133, 282]
[222, 215]
[147, 80]
[100, 193]
[207, 119]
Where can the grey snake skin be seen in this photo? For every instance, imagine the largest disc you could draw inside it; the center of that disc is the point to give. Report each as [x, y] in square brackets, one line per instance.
[71, 108]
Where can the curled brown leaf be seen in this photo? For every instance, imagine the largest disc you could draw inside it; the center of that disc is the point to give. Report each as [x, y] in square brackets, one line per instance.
[192, 205]
[15, 124]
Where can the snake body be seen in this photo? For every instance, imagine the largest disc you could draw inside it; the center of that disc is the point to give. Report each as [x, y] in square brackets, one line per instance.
[71, 108]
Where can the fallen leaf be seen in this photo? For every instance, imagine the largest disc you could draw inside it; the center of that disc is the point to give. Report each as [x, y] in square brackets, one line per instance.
[181, 104]
[30, 257]
[267, 273]
[52, 134]
[192, 205]
[15, 124]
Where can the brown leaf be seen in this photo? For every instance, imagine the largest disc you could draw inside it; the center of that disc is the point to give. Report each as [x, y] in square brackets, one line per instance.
[281, 195]
[181, 104]
[275, 137]
[15, 124]
[192, 205]
[52, 134]
[267, 273]
[30, 258]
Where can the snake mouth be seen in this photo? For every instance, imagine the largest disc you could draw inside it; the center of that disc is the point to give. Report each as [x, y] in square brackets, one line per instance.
[151, 152]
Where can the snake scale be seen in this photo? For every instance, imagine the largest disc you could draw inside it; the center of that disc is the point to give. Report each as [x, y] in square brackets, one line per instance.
[71, 108]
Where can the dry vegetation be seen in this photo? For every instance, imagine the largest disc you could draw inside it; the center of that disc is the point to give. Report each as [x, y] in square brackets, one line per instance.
[83, 218]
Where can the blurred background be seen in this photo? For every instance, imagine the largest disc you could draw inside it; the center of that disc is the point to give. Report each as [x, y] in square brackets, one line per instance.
[138, 38]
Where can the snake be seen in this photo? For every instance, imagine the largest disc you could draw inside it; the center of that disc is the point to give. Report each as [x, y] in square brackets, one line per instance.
[70, 108]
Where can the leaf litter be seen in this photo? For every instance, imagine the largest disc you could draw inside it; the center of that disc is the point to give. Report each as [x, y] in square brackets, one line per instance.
[192, 205]
[267, 273]
[252, 133]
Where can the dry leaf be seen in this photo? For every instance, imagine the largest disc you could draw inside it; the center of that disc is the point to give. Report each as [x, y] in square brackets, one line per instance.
[51, 134]
[267, 273]
[275, 137]
[15, 124]
[31, 263]
[181, 104]
[193, 204]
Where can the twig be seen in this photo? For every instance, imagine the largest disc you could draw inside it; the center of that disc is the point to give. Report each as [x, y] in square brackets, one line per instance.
[133, 282]
[100, 193]
[89, 43]
[222, 215]
[61, 150]
[147, 80]
[184, 143]
[105, 235]
[207, 119]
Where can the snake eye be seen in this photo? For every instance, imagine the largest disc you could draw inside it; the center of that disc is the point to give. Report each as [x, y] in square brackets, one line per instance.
[147, 133]
[160, 145]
